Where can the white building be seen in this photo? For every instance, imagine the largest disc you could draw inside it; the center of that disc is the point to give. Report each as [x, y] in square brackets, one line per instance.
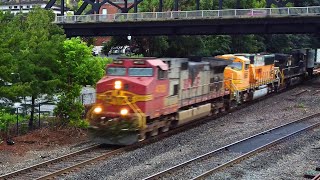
[25, 6]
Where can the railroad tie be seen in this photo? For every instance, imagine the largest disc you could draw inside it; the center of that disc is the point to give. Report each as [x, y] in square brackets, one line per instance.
[300, 92]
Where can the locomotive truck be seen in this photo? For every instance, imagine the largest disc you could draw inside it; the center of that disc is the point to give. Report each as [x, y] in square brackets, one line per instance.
[141, 97]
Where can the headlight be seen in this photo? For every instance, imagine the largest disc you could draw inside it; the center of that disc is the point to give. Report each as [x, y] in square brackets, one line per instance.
[124, 112]
[117, 84]
[97, 110]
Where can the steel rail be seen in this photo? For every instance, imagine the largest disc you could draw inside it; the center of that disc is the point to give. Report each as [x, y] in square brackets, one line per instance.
[134, 146]
[68, 169]
[255, 151]
[317, 177]
[181, 165]
[30, 168]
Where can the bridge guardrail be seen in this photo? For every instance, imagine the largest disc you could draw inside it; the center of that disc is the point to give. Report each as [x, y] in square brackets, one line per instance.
[200, 14]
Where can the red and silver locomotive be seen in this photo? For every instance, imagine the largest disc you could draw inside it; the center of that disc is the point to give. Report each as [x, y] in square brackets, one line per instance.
[141, 97]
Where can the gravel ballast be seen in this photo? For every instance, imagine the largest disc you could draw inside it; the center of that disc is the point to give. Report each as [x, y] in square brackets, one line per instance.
[36, 156]
[261, 116]
[289, 160]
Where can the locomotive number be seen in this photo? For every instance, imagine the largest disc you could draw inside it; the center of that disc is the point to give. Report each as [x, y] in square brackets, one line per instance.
[161, 88]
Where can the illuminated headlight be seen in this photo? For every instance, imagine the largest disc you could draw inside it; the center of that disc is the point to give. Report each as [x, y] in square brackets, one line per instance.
[97, 110]
[124, 112]
[117, 84]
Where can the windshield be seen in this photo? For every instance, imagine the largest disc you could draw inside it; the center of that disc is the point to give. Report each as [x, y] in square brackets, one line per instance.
[116, 71]
[140, 72]
[236, 66]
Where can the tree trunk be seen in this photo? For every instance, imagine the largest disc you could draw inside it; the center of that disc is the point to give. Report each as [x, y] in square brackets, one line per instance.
[32, 113]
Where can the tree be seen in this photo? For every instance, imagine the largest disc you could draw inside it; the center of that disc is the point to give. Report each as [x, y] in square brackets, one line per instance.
[77, 68]
[247, 44]
[34, 43]
[6, 61]
[214, 45]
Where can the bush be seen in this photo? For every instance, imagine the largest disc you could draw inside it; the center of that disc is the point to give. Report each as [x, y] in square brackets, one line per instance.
[7, 117]
[83, 124]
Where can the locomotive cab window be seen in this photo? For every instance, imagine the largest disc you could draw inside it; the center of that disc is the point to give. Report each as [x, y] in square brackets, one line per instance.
[116, 71]
[142, 72]
[236, 66]
[162, 74]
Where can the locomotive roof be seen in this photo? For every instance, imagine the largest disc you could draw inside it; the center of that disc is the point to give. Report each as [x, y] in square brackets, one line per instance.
[159, 63]
[215, 61]
[136, 58]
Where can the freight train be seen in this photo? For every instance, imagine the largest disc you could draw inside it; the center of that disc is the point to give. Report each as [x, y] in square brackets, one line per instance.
[141, 97]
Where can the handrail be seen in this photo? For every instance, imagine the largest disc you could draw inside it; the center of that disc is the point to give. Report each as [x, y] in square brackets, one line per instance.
[199, 14]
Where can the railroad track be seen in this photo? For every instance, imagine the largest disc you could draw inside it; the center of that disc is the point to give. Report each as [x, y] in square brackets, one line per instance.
[211, 162]
[73, 161]
[60, 165]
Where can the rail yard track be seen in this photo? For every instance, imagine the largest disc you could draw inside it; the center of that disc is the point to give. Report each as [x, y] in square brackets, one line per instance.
[211, 162]
[60, 165]
[73, 161]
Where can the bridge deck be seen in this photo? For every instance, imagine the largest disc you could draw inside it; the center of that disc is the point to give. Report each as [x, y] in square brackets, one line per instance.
[187, 15]
[294, 20]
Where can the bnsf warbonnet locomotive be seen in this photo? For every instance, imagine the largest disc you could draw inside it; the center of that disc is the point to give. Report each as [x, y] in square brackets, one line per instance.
[141, 97]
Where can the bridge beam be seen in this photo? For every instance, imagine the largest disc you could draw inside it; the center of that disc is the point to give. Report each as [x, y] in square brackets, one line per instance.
[238, 4]
[97, 5]
[135, 10]
[62, 8]
[269, 25]
[160, 5]
[50, 4]
[198, 4]
[176, 5]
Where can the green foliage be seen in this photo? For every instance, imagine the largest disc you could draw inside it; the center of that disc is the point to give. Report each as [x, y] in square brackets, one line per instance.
[7, 119]
[31, 46]
[283, 43]
[83, 124]
[76, 68]
[214, 45]
[247, 44]
[89, 40]
[115, 41]
[87, 9]
[68, 109]
[300, 105]
[151, 46]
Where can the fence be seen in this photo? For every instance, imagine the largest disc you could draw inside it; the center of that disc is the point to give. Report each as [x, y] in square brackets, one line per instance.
[14, 121]
[199, 14]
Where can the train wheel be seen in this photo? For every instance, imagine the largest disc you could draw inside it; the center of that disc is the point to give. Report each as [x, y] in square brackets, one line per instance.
[233, 104]
[165, 128]
[155, 132]
[142, 136]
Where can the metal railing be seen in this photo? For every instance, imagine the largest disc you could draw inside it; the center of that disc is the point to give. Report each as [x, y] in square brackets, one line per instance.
[200, 14]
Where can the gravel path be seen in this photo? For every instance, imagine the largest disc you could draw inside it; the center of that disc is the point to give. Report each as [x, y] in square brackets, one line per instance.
[158, 156]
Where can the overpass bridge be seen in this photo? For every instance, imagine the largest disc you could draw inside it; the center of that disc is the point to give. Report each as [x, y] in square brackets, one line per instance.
[288, 20]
